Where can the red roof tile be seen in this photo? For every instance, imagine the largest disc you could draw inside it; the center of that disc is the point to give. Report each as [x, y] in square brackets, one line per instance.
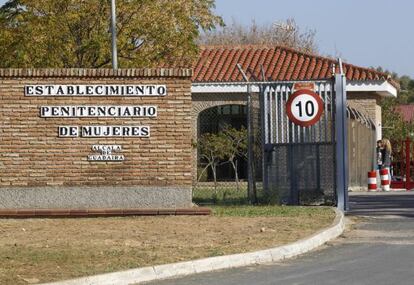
[406, 112]
[218, 64]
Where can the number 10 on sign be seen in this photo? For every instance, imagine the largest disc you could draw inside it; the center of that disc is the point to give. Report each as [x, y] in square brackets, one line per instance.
[304, 108]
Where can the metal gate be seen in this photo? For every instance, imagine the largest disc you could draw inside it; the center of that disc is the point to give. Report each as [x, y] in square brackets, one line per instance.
[403, 164]
[300, 164]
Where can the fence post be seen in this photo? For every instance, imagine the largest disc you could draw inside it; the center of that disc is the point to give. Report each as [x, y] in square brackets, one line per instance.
[251, 184]
[341, 142]
[252, 192]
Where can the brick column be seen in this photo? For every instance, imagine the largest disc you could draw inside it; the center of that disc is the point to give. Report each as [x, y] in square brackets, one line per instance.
[368, 103]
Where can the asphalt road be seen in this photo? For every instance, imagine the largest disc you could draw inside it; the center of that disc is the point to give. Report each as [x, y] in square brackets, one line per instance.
[378, 250]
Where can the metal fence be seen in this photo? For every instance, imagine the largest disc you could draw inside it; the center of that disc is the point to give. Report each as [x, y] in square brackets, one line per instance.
[310, 158]
[298, 162]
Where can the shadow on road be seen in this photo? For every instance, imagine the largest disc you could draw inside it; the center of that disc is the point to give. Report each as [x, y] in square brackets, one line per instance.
[382, 204]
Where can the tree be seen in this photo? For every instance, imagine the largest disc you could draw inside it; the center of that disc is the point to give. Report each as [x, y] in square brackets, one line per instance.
[76, 33]
[211, 149]
[394, 126]
[235, 146]
[286, 33]
[224, 147]
[407, 90]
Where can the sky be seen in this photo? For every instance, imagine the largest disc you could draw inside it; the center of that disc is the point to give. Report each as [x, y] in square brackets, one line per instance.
[362, 32]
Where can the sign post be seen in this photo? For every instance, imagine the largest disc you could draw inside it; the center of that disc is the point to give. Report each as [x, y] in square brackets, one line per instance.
[113, 31]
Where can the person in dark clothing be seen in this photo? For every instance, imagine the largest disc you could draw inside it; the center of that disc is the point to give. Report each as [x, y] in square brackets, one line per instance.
[386, 156]
[379, 154]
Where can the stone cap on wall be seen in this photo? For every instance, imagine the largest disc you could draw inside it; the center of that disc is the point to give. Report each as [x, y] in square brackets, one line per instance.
[89, 72]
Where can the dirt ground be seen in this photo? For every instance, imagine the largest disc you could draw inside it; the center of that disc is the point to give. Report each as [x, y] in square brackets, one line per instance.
[42, 250]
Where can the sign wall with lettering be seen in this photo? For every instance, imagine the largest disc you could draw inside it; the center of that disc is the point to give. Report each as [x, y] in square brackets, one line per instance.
[95, 90]
[77, 130]
[98, 111]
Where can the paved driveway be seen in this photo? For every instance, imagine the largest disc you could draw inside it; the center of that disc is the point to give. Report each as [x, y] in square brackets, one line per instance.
[379, 250]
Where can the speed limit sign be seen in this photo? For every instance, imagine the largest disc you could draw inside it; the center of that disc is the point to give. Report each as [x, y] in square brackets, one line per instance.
[304, 108]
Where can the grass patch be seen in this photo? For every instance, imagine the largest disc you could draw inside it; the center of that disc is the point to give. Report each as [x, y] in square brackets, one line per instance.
[221, 196]
[228, 195]
[46, 250]
[269, 211]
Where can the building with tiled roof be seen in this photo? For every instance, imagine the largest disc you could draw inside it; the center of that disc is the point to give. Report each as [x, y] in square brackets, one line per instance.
[218, 64]
[406, 112]
[218, 82]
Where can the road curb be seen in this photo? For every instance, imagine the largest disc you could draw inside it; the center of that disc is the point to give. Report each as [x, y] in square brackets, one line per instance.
[152, 273]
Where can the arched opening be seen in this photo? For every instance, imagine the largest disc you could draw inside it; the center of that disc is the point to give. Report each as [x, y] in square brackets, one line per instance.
[213, 121]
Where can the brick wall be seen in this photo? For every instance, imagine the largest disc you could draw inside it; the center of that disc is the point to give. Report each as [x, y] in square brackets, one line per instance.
[368, 103]
[32, 154]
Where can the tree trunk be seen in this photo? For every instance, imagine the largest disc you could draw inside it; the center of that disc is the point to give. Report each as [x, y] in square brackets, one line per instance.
[214, 169]
[236, 174]
[201, 174]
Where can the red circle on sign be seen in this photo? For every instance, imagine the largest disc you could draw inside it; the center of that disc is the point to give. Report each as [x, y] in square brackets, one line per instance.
[297, 120]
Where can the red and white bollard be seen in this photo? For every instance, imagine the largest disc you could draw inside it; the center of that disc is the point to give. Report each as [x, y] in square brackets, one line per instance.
[385, 179]
[372, 181]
